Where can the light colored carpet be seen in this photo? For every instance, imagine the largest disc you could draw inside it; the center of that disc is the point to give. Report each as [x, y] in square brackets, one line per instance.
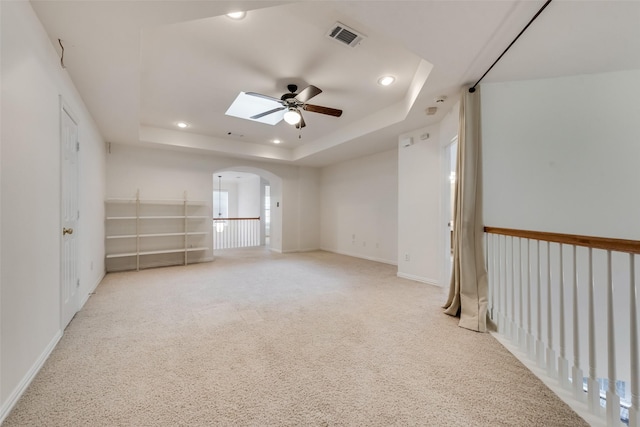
[262, 339]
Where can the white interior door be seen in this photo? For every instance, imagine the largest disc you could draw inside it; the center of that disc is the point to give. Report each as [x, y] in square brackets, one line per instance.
[70, 214]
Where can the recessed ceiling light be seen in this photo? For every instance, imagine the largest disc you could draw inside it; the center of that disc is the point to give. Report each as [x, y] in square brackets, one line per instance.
[182, 125]
[236, 15]
[386, 80]
[276, 141]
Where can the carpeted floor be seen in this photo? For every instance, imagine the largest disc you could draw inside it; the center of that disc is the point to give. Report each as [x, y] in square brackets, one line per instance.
[262, 339]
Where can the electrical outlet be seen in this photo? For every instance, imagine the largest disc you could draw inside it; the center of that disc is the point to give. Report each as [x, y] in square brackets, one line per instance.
[407, 257]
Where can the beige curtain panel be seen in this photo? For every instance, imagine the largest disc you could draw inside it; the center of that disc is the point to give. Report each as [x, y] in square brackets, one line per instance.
[468, 289]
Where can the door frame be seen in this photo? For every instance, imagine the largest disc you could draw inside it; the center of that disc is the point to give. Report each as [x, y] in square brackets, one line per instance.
[447, 200]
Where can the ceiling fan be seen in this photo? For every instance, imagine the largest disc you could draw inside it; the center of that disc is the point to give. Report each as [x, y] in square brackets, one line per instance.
[294, 102]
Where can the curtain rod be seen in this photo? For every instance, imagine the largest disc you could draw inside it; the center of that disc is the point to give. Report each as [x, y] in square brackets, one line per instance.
[473, 88]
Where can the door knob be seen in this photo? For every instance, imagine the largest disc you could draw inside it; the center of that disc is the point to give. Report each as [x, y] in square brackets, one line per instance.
[67, 231]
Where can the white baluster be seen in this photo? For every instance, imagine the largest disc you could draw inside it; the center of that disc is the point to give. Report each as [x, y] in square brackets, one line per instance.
[539, 342]
[563, 363]
[521, 337]
[491, 259]
[530, 344]
[576, 372]
[634, 411]
[551, 354]
[504, 330]
[593, 386]
[512, 324]
[613, 400]
[499, 285]
[487, 263]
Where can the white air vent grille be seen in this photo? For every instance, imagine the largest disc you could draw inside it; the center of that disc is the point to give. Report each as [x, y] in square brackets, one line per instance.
[345, 35]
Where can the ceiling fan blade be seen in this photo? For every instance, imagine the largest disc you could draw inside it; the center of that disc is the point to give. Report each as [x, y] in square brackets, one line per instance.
[322, 110]
[266, 113]
[259, 95]
[307, 93]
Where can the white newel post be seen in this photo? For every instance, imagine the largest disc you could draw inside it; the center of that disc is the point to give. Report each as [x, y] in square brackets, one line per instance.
[634, 411]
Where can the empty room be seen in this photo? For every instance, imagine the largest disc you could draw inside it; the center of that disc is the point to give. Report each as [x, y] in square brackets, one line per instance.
[319, 213]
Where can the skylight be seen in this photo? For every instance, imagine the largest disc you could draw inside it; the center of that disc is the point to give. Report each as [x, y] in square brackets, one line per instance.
[245, 106]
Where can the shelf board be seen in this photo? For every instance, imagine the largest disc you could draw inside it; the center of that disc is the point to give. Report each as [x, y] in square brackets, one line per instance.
[163, 217]
[198, 217]
[122, 255]
[160, 251]
[162, 234]
[120, 217]
[131, 236]
[156, 201]
[119, 200]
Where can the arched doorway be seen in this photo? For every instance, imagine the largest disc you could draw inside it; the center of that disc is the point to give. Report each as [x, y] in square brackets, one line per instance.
[246, 208]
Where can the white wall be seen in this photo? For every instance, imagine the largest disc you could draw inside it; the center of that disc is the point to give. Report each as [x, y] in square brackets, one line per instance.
[561, 155]
[160, 173]
[359, 207]
[420, 226]
[32, 82]
[249, 200]
[309, 213]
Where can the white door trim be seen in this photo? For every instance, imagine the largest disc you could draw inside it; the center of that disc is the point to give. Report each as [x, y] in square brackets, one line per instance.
[65, 109]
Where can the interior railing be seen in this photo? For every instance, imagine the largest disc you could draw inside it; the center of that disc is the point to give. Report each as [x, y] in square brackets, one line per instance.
[231, 233]
[570, 304]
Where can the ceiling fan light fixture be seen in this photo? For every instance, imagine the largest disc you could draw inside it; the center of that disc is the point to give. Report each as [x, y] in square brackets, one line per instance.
[292, 116]
[182, 125]
[386, 80]
[276, 141]
[237, 15]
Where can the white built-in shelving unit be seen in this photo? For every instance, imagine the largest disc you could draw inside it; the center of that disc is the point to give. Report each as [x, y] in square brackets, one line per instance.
[144, 233]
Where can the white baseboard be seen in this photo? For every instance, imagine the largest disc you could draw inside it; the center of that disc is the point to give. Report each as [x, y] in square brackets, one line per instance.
[381, 260]
[419, 279]
[15, 395]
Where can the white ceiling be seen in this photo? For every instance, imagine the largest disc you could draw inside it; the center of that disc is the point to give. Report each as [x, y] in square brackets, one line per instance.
[143, 66]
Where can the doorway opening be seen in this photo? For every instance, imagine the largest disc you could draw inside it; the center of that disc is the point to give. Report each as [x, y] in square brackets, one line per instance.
[267, 214]
[449, 194]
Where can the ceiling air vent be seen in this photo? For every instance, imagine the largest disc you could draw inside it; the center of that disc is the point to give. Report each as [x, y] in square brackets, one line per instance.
[345, 35]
